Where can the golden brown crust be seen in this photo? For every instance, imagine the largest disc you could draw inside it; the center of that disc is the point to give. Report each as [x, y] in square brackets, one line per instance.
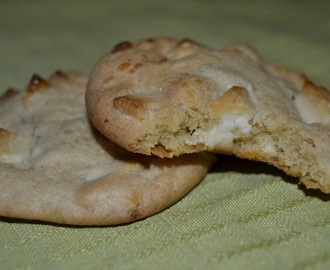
[122, 46]
[319, 98]
[235, 100]
[8, 94]
[36, 84]
[131, 105]
[186, 98]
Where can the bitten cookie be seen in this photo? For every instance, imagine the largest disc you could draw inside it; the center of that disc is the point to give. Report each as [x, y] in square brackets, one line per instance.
[168, 97]
[54, 166]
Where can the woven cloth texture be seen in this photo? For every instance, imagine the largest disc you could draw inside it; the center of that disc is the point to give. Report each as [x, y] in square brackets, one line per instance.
[243, 215]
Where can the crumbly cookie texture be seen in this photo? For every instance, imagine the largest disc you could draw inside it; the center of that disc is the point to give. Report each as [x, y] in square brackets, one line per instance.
[54, 166]
[168, 97]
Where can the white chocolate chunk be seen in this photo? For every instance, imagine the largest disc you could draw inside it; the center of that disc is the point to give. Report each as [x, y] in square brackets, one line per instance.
[227, 130]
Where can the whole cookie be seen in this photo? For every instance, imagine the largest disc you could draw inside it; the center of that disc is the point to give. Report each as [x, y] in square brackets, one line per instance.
[168, 97]
[54, 166]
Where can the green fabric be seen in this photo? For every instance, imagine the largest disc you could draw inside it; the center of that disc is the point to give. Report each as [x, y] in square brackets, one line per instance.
[243, 215]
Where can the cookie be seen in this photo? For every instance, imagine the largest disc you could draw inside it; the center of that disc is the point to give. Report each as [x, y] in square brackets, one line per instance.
[55, 167]
[168, 97]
